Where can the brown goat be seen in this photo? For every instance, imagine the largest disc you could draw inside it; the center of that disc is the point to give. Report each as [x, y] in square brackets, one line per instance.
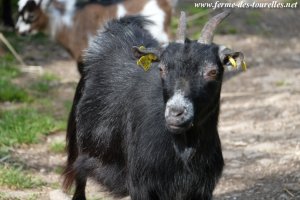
[74, 26]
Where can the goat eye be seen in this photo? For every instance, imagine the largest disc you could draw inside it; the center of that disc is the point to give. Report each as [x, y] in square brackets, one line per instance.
[212, 73]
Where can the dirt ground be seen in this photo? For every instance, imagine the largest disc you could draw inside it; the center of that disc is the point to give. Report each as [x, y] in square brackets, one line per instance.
[260, 115]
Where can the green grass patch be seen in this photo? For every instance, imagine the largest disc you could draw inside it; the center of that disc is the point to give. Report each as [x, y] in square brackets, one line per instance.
[57, 147]
[68, 105]
[226, 28]
[8, 90]
[8, 67]
[11, 92]
[9, 71]
[197, 17]
[4, 151]
[25, 126]
[254, 18]
[18, 42]
[291, 1]
[45, 103]
[49, 77]
[56, 185]
[58, 170]
[44, 83]
[41, 86]
[51, 108]
[16, 178]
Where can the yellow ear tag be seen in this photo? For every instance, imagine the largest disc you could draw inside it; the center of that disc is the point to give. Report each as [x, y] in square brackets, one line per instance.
[142, 48]
[146, 61]
[232, 62]
[244, 66]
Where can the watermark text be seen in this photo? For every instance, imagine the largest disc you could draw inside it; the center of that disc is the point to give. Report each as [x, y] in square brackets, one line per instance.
[242, 4]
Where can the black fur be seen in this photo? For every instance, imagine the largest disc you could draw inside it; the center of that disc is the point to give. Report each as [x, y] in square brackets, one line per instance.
[6, 11]
[120, 137]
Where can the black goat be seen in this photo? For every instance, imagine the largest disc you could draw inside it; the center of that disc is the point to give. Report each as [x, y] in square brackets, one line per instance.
[151, 135]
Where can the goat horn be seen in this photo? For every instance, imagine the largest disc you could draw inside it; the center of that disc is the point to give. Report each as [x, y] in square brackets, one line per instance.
[181, 31]
[207, 33]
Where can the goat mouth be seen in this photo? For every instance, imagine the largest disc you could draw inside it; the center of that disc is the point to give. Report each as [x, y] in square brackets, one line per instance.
[179, 128]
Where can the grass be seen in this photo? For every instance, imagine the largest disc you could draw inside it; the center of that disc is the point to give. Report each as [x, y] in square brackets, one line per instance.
[68, 105]
[25, 126]
[199, 17]
[254, 18]
[57, 147]
[16, 178]
[11, 92]
[194, 26]
[291, 1]
[36, 115]
[44, 83]
[4, 152]
[227, 28]
[8, 90]
[7, 66]
[58, 170]
[18, 41]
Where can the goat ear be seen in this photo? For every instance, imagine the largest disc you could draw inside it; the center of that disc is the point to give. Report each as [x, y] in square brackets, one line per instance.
[232, 59]
[142, 51]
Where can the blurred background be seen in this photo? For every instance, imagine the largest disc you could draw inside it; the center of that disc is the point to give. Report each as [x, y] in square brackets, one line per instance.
[260, 115]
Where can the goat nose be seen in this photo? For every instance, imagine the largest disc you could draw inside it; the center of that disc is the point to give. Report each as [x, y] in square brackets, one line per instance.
[177, 111]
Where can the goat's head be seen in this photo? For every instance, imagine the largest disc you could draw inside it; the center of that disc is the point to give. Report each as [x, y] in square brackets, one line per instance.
[191, 74]
[32, 18]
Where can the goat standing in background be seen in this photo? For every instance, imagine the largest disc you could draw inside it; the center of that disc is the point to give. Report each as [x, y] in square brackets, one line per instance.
[73, 27]
[151, 135]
